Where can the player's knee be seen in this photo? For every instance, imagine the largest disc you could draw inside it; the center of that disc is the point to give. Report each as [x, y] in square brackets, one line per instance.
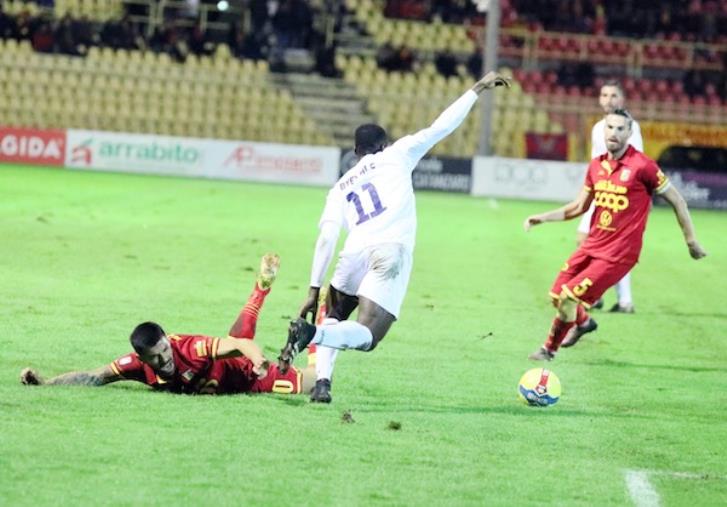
[567, 306]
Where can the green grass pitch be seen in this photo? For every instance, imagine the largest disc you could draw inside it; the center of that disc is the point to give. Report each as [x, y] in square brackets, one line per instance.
[86, 256]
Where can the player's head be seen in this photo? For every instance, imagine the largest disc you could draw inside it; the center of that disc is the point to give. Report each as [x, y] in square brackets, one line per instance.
[369, 138]
[617, 130]
[152, 345]
[611, 97]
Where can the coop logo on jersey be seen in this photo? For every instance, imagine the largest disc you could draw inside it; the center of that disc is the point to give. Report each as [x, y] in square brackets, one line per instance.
[82, 154]
[32, 146]
[249, 157]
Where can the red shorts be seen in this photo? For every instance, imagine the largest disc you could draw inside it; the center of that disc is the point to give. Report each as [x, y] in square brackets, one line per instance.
[276, 382]
[586, 278]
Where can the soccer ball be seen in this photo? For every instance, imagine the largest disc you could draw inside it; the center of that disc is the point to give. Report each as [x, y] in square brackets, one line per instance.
[539, 387]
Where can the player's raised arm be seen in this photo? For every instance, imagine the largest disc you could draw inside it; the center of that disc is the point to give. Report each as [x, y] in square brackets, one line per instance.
[675, 199]
[415, 146]
[573, 209]
[97, 377]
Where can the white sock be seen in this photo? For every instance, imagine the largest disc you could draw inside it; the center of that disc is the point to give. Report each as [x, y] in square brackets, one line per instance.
[325, 356]
[344, 335]
[325, 359]
[623, 290]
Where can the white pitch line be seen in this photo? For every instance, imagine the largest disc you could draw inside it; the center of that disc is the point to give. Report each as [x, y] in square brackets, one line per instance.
[493, 204]
[641, 490]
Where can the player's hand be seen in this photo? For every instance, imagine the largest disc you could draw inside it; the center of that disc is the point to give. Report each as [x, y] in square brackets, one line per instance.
[30, 377]
[310, 305]
[261, 369]
[531, 221]
[696, 250]
[491, 80]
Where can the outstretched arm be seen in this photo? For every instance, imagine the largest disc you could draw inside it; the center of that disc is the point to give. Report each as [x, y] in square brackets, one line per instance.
[415, 146]
[677, 202]
[97, 377]
[571, 210]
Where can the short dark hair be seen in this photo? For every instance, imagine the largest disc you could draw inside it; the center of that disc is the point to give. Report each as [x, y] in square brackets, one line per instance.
[369, 138]
[616, 84]
[625, 114]
[145, 336]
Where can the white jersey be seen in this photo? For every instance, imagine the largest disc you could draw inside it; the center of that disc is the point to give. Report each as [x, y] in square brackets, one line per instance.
[598, 138]
[374, 200]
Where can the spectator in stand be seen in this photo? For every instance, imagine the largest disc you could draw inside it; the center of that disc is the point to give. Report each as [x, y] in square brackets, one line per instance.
[694, 83]
[199, 44]
[405, 59]
[385, 57]
[8, 27]
[166, 40]
[65, 36]
[303, 26]
[42, 38]
[284, 25]
[325, 55]
[245, 46]
[576, 74]
[474, 63]
[122, 34]
[26, 25]
[446, 64]
[85, 34]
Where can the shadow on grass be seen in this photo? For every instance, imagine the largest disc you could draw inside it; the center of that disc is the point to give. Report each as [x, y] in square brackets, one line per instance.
[624, 364]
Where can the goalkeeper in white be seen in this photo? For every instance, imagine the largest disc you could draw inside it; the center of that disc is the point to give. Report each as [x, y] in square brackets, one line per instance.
[375, 202]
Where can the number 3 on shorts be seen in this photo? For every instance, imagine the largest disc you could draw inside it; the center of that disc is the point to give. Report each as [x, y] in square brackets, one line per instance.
[582, 287]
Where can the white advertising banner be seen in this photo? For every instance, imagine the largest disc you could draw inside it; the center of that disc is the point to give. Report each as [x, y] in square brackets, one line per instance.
[208, 158]
[275, 163]
[544, 180]
[135, 153]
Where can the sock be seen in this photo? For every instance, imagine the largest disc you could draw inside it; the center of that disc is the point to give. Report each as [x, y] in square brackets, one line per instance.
[581, 315]
[321, 319]
[325, 361]
[344, 335]
[244, 326]
[558, 330]
[623, 290]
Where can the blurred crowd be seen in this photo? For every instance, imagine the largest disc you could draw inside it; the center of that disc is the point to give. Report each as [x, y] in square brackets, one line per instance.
[447, 11]
[690, 20]
[275, 27]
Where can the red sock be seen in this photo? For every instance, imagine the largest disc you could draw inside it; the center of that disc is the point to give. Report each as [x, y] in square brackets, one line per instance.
[558, 330]
[581, 315]
[244, 326]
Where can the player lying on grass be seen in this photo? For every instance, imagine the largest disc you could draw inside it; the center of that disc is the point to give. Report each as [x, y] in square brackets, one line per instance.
[198, 364]
[620, 183]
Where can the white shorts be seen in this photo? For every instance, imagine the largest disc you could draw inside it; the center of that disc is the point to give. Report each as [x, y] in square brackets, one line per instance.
[585, 224]
[379, 273]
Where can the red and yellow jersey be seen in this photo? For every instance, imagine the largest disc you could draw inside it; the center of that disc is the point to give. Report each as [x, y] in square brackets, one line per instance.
[199, 371]
[622, 191]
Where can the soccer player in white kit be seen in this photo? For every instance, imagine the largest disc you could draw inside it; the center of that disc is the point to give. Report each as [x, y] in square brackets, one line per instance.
[611, 98]
[374, 201]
